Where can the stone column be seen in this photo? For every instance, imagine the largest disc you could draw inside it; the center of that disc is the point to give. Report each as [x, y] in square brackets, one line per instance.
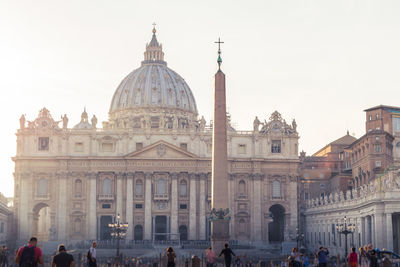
[174, 205]
[147, 208]
[373, 233]
[257, 210]
[62, 207]
[25, 197]
[119, 195]
[129, 205]
[202, 207]
[379, 232]
[192, 208]
[389, 232]
[363, 232]
[92, 208]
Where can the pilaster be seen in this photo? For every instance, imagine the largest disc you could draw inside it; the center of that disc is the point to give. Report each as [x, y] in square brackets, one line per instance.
[174, 205]
[148, 207]
[192, 208]
[62, 206]
[92, 209]
[129, 205]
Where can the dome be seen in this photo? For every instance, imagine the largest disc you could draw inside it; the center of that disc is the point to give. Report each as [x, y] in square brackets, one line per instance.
[153, 86]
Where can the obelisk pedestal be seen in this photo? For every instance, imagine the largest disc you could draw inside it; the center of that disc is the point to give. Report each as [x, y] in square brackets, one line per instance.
[219, 200]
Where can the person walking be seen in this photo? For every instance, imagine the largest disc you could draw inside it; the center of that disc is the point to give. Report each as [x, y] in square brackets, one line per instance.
[4, 257]
[353, 259]
[295, 256]
[62, 259]
[91, 256]
[210, 257]
[29, 255]
[170, 257]
[227, 251]
[372, 256]
[323, 257]
[364, 262]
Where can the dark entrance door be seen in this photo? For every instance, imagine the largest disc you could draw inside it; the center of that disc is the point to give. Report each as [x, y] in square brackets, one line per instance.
[276, 227]
[105, 233]
[161, 227]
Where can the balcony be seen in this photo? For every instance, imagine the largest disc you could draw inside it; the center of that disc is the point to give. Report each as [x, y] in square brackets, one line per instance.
[105, 197]
[160, 196]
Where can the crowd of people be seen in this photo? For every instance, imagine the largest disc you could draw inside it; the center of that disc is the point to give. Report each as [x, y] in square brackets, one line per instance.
[30, 255]
[365, 257]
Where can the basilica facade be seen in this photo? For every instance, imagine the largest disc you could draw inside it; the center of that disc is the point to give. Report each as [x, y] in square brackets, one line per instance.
[150, 163]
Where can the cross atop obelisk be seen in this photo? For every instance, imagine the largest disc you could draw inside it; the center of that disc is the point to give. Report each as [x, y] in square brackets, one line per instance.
[219, 52]
[219, 216]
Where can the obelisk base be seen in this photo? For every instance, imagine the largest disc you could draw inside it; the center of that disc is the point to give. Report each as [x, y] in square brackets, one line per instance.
[219, 235]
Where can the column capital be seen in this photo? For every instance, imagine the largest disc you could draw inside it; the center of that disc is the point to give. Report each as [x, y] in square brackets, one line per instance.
[203, 176]
[92, 175]
[120, 175]
[130, 175]
[173, 175]
[193, 176]
[148, 175]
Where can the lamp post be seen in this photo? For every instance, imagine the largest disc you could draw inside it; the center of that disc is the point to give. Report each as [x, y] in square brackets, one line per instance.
[298, 237]
[345, 228]
[118, 231]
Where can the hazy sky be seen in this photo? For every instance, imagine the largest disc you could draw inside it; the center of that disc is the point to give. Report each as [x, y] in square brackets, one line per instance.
[320, 62]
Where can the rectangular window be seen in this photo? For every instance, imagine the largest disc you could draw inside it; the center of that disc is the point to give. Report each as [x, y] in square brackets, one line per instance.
[276, 146]
[106, 206]
[241, 149]
[2, 227]
[78, 147]
[139, 146]
[183, 146]
[306, 195]
[396, 124]
[155, 122]
[43, 144]
[183, 206]
[377, 164]
[107, 147]
[138, 206]
[378, 148]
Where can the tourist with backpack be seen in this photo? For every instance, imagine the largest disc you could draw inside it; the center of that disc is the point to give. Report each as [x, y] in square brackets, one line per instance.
[91, 255]
[29, 255]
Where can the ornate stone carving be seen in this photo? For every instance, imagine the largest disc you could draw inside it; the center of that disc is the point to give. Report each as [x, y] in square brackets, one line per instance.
[161, 150]
[277, 125]
[256, 124]
[221, 214]
[94, 122]
[64, 121]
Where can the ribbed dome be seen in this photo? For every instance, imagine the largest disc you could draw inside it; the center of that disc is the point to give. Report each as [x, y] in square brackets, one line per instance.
[153, 85]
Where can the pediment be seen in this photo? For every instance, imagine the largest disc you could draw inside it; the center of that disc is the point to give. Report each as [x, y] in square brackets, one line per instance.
[162, 150]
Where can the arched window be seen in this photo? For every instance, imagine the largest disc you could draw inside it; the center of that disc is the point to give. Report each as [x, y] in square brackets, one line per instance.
[78, 188]
[139, 188]
[77, 225]
[183, 232]
[106, 188]
[161, 186]
[138, 232]
[183, 188]
[276, 189]
[242, 188]
[42, 187]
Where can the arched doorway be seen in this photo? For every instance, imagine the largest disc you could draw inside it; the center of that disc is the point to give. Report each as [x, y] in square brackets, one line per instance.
[183, 233]
[277, 226]
[138, 232]
[42, 223]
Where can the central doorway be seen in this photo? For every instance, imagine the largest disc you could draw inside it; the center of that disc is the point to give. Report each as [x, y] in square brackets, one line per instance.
[276, 227]
[160, 228]
[105, 233]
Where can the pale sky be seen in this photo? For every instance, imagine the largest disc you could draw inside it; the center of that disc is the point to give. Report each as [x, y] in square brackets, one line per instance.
[320, 62]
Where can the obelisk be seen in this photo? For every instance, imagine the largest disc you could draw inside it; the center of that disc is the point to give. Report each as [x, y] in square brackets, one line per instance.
[219, 200]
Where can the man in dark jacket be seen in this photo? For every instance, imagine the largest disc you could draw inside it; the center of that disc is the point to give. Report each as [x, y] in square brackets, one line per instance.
[227, 251]
[63, 259]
